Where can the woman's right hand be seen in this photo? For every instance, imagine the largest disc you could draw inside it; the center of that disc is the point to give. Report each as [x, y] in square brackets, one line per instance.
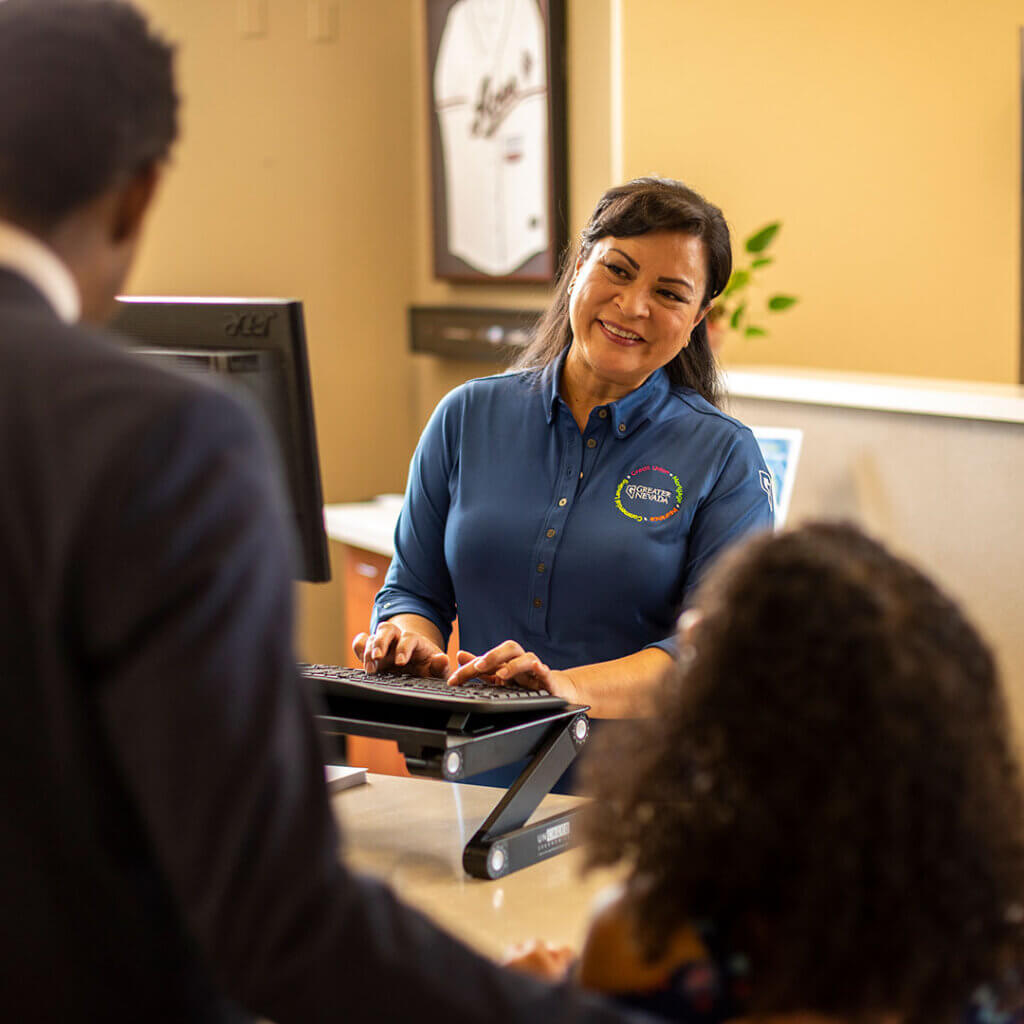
[390, 647]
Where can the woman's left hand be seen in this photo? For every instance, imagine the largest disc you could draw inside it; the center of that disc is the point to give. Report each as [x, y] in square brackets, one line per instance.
[509, 663]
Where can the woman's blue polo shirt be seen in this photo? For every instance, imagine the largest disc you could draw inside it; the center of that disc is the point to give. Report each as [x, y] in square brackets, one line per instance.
[582, 548]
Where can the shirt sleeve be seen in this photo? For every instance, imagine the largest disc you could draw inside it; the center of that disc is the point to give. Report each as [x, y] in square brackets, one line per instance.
[740, 502]
[185, 603]
[418, 581]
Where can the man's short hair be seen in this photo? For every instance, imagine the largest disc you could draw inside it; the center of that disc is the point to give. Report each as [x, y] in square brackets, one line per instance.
[87, 99]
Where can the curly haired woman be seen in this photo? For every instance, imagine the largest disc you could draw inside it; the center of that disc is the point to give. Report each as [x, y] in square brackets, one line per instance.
[825, 819]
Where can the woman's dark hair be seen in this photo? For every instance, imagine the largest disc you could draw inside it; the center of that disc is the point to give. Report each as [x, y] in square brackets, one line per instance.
[830, 779]
[88, 98]
[635, 208]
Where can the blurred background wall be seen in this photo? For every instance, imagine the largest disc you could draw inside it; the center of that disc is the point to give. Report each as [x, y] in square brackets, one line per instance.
[885, 136]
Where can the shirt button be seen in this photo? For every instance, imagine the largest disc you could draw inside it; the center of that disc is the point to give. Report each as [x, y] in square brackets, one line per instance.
[591, 443]
[540, 567]
[538, 603]
[622, 428]
[561, 502]
[551, 533]
[603, 413]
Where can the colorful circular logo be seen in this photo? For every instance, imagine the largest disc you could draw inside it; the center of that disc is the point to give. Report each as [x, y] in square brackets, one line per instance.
[650, 494]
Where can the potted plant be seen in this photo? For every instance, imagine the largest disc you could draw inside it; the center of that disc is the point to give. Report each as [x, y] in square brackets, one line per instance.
[736, 310]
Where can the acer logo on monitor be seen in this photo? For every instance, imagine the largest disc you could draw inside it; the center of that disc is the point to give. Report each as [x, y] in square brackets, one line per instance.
[248, 325]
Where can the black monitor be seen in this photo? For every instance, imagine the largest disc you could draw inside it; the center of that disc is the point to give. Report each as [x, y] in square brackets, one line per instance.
[257, 348]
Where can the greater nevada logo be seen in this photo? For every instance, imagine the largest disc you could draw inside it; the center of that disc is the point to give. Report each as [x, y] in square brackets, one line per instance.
[644, 494]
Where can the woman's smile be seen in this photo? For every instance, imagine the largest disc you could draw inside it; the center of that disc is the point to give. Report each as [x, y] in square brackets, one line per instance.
[620, 335]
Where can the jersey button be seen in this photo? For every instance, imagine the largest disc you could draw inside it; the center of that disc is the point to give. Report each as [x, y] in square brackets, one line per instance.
[538, 603]
[561, 502]
[591, 443]
[540, 567]
[603, 413]
[550, 533]
[622, 428]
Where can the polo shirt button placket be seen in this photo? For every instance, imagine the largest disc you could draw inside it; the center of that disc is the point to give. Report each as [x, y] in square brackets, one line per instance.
[552, 534]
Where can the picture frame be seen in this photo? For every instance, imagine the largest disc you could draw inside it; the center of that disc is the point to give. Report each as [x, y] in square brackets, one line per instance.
[497, 112]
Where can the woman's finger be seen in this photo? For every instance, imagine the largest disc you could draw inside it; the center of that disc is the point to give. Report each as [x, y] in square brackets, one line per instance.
[438, 665]
[486, 664]
[378, 647]
[359, 644]
[385, 636]
[416, 654]
[527, 670]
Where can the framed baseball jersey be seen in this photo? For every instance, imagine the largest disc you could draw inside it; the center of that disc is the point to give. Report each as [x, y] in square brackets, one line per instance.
[497, 112]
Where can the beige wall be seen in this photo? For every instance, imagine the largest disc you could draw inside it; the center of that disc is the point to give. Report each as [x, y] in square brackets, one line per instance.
[885, 134]
[293, 179]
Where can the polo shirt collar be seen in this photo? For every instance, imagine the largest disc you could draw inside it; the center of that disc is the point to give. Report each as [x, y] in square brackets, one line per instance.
[550, 378]
[634, 409]
[627, 413]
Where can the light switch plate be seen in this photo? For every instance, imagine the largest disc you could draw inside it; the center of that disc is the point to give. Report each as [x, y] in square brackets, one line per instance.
[252, 18]
[322, 20]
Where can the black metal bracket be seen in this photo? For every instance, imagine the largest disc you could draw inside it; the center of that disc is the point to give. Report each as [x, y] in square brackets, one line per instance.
[504, 842]
[453, 747]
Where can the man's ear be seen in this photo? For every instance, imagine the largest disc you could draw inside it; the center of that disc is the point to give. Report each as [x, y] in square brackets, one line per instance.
[132, 202]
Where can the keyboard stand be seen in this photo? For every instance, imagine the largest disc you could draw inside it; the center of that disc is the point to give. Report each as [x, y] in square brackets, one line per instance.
[453, 747]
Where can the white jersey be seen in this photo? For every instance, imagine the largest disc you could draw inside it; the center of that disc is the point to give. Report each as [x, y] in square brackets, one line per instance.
[491, 96]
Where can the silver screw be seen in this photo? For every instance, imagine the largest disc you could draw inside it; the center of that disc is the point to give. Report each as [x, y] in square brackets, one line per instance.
[497, 860]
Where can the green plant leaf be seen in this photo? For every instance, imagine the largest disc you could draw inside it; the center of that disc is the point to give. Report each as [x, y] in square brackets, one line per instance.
[779, 302]
[760, 240]
[762, 261]
[755, 332]
[737, 280]
[737, 315]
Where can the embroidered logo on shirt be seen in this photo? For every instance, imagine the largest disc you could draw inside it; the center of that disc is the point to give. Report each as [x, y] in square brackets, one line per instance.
[650, 494]
[766, 485]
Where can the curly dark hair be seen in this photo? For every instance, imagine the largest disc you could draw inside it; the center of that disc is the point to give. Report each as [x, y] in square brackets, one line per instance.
[88, 100]
[830, 779]
[635, 208]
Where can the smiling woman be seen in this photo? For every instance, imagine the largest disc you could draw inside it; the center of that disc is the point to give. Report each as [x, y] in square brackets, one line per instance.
[633, 307]
[568, 509]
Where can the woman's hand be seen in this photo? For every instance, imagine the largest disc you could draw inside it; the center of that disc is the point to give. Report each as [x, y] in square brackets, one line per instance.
[390, 647]
[509, 663]
[541, 959]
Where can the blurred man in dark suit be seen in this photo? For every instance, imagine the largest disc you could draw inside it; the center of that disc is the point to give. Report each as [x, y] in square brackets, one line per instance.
[166, 846]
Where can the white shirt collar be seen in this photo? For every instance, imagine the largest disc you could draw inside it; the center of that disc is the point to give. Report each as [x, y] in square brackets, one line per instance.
[39, 265]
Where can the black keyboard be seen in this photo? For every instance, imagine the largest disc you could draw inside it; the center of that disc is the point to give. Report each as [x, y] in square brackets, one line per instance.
[356, 684]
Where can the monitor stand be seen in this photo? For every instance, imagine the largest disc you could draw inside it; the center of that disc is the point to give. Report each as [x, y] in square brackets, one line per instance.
[454, 747]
